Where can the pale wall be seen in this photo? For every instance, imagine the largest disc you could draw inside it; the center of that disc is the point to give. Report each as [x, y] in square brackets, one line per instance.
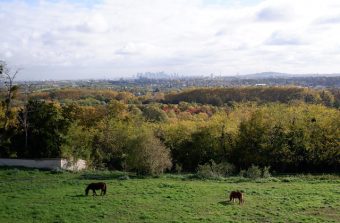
[45, 163]
[73, 166]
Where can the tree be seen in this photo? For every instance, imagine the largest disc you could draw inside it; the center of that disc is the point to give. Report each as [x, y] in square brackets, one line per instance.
[277, 144]
[78, 143]
[250, 144]
[147, 154]
[227, 143]
[24, 112]
[46, 130]
[8, 77]
[7, 119]
[327, 98]
[154, 114]
[110, 143]
[1, 67]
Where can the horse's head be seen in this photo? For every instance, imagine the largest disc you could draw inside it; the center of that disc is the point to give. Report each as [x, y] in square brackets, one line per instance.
[87, 191]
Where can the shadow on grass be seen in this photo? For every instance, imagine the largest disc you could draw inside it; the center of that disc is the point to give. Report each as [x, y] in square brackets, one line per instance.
[113, 175]
[225, 203]
[77, 195]
[104, 175]
[21, 168]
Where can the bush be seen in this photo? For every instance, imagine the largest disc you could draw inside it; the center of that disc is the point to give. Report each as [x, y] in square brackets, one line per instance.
[214, 170]
[124, 177]
[222, 169]
[147, 155]
[178, 168]
[56, 170]
[205, 171]
[14, 172]
[242, 173]
[254, 172]
[265, 172]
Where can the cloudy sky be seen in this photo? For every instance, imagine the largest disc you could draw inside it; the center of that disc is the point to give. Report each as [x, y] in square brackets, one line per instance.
[73, 39]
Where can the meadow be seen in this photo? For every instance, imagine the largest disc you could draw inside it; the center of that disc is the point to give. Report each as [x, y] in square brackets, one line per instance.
[47, 196]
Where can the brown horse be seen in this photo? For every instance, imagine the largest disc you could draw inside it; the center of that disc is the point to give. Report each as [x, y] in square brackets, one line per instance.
[96, 186]
[236, 195]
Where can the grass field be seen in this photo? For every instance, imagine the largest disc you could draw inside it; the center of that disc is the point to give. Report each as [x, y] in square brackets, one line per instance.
[43, 196]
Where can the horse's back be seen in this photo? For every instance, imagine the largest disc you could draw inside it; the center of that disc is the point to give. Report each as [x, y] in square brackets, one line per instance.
[97, 186]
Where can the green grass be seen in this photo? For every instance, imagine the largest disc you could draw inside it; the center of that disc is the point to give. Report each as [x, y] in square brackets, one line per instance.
[41, 196]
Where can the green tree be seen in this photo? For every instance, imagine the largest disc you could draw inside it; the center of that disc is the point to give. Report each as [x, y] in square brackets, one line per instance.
[46, 128]
[327, 98]
[147, 154]
[78, 143]
[110, 143]
[250, 144]
[154, 114]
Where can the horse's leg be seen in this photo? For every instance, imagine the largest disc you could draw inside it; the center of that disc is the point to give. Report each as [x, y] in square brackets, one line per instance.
[94, 192]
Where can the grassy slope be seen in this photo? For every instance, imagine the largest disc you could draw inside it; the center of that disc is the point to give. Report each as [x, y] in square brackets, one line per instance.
[37, 196]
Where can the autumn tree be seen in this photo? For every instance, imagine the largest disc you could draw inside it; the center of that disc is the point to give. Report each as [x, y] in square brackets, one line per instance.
[146, 154]
[7, 116]
[8, 76]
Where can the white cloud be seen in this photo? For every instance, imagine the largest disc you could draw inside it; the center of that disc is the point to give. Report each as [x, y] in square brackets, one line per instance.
[274, 14]
[62, 39]
[278, 38]
[95, 23]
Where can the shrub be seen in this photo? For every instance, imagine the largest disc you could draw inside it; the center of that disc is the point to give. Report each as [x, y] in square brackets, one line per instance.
[214, 170]
[265, 172]
[222, 169]
[56, 170]
[147, 155]
[14, 172]
[242, 173]
[205, 171]
[124, 177]
[178, 168]
[254, 172]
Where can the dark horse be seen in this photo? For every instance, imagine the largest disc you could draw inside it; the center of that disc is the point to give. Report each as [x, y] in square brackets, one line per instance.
[236, 195]
[96, 186]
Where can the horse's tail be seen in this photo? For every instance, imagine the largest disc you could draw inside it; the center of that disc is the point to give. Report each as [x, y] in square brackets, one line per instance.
[242, 197]
[104, 189]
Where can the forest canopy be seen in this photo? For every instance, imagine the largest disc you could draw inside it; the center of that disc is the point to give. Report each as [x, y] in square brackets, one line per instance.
[289, 129]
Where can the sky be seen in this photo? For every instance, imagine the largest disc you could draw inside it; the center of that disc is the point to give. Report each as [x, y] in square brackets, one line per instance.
[74, 39]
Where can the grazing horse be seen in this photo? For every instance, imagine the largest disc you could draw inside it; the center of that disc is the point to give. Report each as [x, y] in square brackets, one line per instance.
[96, 186]
[236, 195]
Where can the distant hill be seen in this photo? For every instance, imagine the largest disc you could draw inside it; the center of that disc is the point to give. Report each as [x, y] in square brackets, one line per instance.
[265, 75]
[220, 96]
